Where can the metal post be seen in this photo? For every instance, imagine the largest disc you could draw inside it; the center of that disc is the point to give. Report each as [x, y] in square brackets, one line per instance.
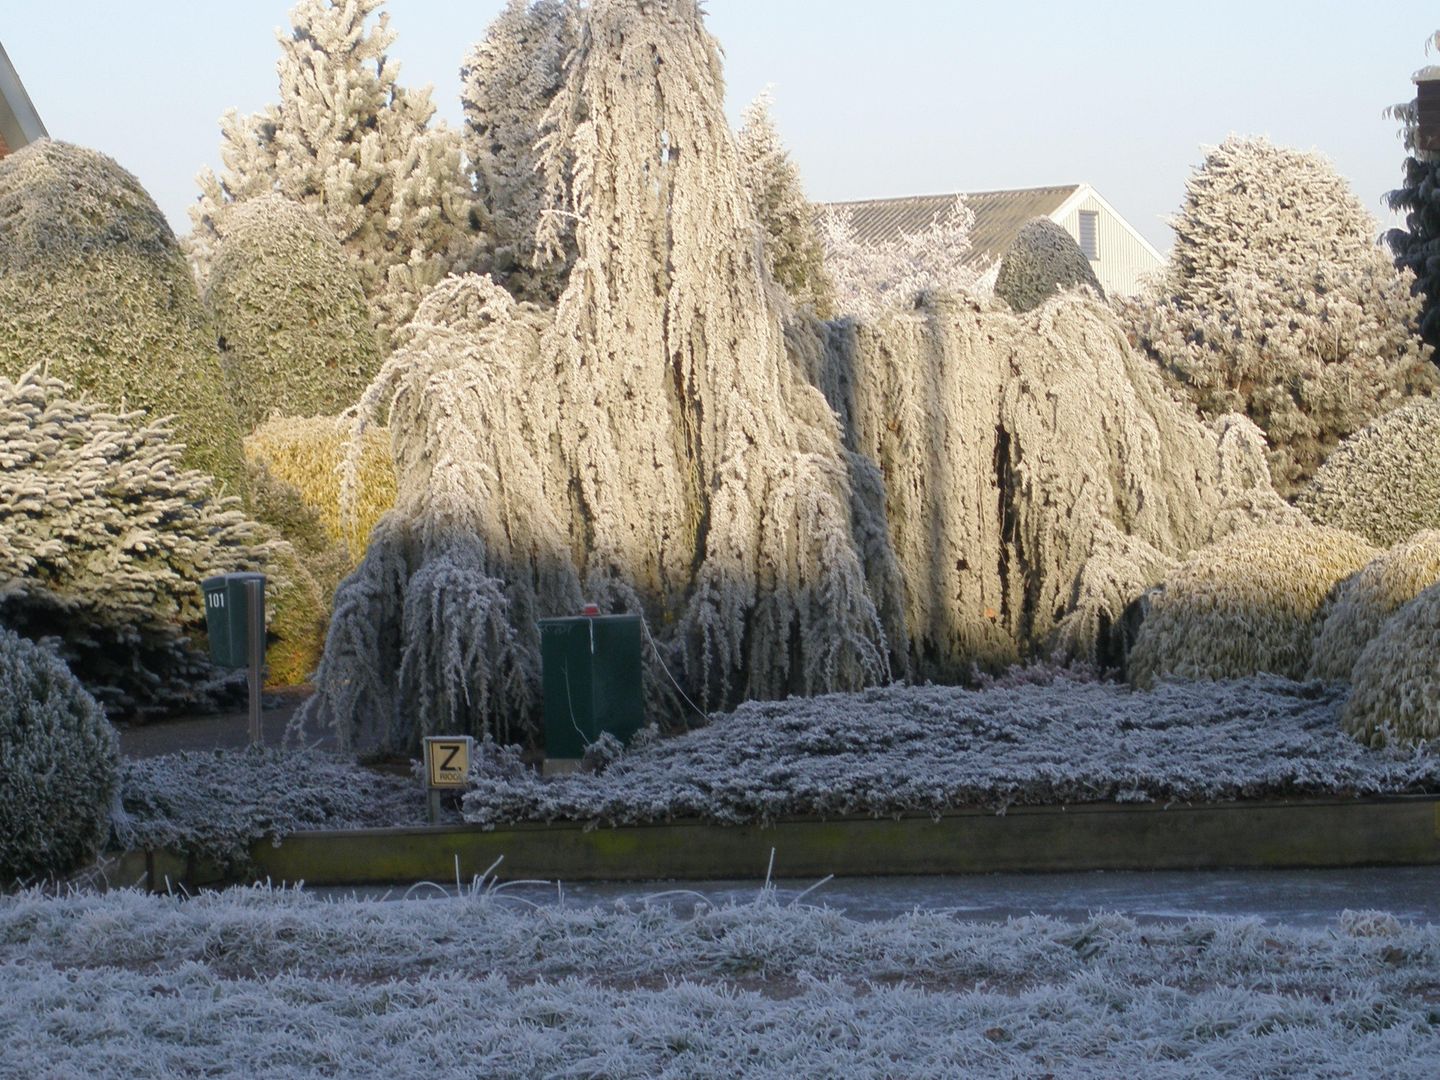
[254, 595]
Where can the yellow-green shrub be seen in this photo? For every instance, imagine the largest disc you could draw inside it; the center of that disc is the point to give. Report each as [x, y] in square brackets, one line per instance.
[1247, 604]
[1395, 694]
[94, 286]
[1368, 599]
[309, 454]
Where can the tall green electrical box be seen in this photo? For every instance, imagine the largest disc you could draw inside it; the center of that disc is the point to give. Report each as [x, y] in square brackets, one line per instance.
[591, 681]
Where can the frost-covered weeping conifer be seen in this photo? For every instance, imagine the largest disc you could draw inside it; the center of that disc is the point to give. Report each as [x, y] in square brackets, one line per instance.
[104, 539]
[294, 328]
[650, 446]
[357, 148]
[1417, 245]
[509, 80]
[871, 277]
[57, 765]
[1278, 303]
[1038, 478]
[93, 285]
[793, 248]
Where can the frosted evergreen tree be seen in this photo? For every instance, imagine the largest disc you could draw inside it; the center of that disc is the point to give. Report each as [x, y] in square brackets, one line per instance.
[793, 248]
[508, 81]
[1278, 303]
[104, 538]
[1417, 245]
[357, 148]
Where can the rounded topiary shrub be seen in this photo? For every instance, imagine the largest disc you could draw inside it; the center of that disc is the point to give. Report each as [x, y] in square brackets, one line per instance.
[295, 329]
[1247, 604]
[1383, 482]
[1395, 686]
[58, 759]
[93, 284]
[1042, 260]
[1368, 599]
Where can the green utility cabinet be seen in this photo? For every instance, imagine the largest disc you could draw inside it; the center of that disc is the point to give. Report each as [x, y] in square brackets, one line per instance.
[227, 617]
[591, 681]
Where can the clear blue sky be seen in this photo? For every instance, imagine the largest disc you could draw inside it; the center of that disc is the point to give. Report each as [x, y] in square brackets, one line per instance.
[874, 97]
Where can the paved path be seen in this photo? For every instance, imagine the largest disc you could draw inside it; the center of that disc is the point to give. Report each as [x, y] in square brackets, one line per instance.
[219, 731]
[1292, 897]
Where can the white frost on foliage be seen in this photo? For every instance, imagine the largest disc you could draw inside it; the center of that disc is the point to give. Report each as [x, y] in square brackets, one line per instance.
[1038, 477]
[1367, 600]
[930, 749]
[1278, 303]
[258, 982]
[508, 81]
[357, 148]
[213, 806]
[794, 250]
[649, 442]
[872, 277]
[436, 631]
[104, 540]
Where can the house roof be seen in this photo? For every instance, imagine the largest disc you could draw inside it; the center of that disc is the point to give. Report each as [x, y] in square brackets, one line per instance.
[20, 124]
[999, 215]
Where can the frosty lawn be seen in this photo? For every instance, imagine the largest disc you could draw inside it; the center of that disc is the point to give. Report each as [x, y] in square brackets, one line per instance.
[253, 981]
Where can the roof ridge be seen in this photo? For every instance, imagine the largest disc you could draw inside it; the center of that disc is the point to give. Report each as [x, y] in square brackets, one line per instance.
[954, 194]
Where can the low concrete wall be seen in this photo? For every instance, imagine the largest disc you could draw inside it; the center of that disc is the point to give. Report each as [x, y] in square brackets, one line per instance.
[1402, 830]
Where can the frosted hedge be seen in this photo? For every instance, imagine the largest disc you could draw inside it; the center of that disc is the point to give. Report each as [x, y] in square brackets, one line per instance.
[1042, 260]
[294, 327]
[1396, 695]
[1383, 482]
[1367, 600]
[282, 984]
[216, 805]
[1250, 603]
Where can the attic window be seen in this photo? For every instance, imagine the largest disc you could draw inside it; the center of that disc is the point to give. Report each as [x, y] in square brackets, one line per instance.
[1089, 225]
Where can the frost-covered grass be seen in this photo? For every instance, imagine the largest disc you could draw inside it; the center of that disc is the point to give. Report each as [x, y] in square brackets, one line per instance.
[928, 749]
[255, 982]
[215, 805]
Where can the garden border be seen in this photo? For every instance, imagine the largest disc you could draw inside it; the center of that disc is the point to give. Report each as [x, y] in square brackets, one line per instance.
[1263, 834]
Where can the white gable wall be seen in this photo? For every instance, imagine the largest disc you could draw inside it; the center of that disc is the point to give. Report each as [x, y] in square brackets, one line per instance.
[1125, 257]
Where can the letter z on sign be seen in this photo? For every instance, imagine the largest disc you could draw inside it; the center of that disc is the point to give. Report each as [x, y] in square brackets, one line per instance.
[447, 760]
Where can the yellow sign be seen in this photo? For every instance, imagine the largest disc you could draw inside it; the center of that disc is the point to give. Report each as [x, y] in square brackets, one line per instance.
[447, 760]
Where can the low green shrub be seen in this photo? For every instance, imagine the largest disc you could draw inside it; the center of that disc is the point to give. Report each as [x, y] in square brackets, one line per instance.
[58, 759]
